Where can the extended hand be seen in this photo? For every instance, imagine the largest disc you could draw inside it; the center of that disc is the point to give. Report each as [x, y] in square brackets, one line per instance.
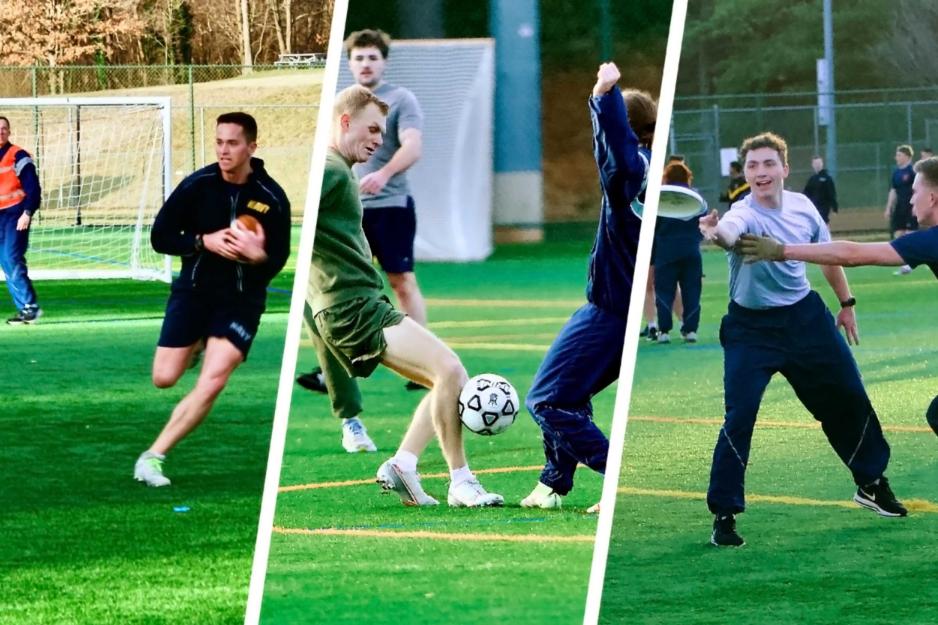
[755, 248]
[23, 222]
[847, 319]
[607, 76]
[708, 224]
[373, 182]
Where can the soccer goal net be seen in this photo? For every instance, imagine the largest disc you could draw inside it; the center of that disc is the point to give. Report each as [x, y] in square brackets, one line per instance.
[454, 82]
[104, 168]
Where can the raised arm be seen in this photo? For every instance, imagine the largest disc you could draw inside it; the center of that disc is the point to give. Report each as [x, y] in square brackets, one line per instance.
[622, 167]
[718, 232]
[841, 253]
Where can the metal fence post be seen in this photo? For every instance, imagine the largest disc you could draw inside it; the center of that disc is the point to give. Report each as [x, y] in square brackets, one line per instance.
[191, 118]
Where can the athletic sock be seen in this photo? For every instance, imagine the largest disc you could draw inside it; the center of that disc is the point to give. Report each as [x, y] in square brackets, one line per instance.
[460, 475]
[405, 460]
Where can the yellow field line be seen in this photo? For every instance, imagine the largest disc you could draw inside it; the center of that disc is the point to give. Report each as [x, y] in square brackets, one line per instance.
[914, 505]
[803, 425]
[423, 476]
[425, 535]
[499, 347]
[494, 323]
[505, 303]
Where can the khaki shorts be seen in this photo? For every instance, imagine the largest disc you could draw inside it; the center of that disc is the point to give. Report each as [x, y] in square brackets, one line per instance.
[354, 332]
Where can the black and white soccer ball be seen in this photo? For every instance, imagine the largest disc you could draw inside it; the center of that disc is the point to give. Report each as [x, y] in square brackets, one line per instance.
[488, 404]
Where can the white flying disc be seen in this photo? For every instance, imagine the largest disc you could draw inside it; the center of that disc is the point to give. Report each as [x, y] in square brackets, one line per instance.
[680, 202]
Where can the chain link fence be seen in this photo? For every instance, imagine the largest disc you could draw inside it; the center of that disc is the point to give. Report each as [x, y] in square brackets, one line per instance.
[283, 100]
[870, 124]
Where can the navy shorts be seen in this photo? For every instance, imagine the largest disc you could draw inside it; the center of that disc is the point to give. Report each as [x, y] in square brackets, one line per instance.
[390, 231]
[903, 220]
[192, 316]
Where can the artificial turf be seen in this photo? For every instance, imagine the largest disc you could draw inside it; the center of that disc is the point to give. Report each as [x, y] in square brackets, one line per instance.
[812, 556]
[466, 566]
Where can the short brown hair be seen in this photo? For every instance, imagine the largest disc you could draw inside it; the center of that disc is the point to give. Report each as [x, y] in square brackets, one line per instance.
[368, 38]
[678, 173]
[354, 99]
[643, 112]
[905, 149]
[928, 168]
[765, 140]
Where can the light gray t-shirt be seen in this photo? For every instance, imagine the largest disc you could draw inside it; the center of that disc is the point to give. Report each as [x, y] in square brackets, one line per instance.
[404, 113]
[766, 285]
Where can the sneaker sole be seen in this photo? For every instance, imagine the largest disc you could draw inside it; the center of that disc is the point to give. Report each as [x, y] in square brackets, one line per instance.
[361, 449]
[150, 484]
[455, 503]
[872, 505]
[713, 541]
[388, 486]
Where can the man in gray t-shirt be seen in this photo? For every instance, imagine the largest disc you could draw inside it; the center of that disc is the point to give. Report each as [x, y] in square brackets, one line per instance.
[390, 218]
[777, 324]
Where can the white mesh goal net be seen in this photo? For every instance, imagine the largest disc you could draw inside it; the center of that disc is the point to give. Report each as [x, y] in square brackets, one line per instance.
[104, 168]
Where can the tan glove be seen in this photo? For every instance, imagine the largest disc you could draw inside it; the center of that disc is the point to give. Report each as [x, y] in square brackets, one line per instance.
[755, 248]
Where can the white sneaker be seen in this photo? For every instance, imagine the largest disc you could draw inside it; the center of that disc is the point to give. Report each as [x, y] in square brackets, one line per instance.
[405, 483]
[594, 509]
[903, 270]
[690, 337]
[355, 437]
[663, 338]
[543, 496]
[470, 494]
[149, 469]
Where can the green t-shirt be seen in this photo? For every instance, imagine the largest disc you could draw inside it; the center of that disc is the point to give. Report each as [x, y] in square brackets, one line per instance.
[342, 268]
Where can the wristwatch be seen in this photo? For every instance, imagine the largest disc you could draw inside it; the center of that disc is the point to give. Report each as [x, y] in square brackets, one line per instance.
[199, 243]
[847, 303]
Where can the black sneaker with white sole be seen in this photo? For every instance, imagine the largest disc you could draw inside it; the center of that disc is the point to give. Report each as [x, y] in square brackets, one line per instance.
[724, 532]
[879, 498]
[28, 315]
[313, 381]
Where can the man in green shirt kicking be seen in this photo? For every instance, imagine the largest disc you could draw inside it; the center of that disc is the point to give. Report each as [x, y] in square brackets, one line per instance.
[357, 328]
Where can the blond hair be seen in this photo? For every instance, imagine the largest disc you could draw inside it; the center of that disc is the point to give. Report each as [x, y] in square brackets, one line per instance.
[352, 100]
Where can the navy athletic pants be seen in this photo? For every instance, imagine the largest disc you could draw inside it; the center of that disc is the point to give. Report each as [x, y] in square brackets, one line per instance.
[688, 272]
[802, 343]
[583, 360]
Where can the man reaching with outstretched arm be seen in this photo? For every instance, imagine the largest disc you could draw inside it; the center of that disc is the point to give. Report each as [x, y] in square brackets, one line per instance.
[915, 248]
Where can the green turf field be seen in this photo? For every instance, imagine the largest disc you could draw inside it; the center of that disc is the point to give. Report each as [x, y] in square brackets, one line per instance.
[84, 543]
[812, 556]
[468, 566]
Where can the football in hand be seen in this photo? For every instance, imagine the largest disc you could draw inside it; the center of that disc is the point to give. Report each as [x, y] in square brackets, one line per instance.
[249, 222]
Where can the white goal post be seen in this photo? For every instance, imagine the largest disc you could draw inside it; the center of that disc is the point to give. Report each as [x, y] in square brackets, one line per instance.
[454, 81]
[104, 165]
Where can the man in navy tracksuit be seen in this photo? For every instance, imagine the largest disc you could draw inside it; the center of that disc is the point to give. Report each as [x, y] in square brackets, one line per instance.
[586, 356]
[915, 248]
[19, 199]
[777, 324]
[217, 300]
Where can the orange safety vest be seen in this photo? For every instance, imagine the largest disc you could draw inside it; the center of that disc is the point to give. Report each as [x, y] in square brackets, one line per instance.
[11, 191]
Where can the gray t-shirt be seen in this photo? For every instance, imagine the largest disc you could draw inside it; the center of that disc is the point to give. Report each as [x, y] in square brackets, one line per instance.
[404, 113]
[767, 285]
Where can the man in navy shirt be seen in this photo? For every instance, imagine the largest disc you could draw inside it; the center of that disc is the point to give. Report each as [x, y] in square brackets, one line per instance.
[586, 356]
[898, 202]
[913, 249]
[217, 299]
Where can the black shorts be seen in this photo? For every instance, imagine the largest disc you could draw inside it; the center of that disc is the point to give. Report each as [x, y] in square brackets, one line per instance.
[902, 220]
[192, 316]
[390, 231]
